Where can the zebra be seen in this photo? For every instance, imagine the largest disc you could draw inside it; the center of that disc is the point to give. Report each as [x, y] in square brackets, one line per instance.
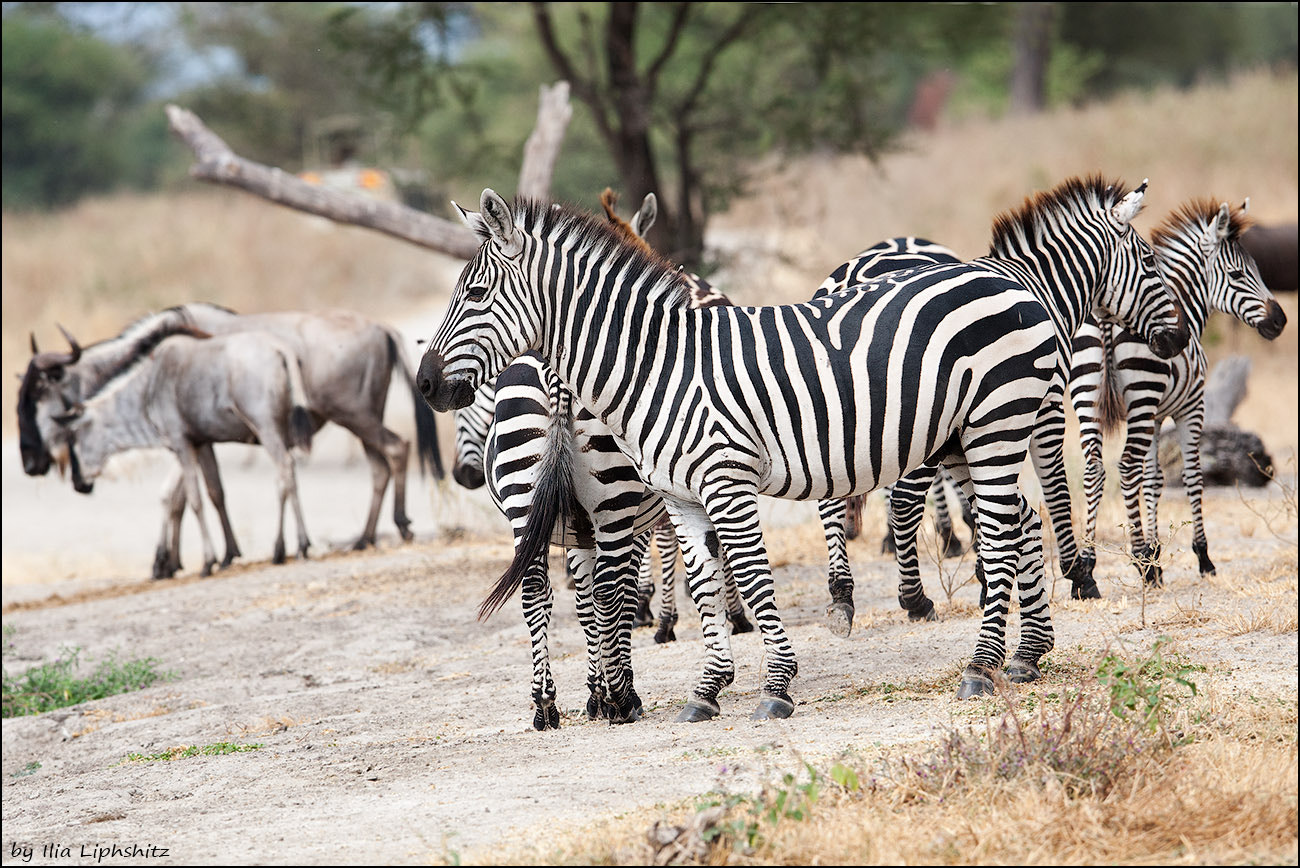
[1116, 378]
[520, 421]
[770, 400]
[193, 390]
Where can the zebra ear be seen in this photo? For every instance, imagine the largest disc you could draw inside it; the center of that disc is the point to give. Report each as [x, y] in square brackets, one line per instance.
[469, 218]
[500, 223]
[1130, 205]
[1245, 206]
[1222, 222]
[645, 217]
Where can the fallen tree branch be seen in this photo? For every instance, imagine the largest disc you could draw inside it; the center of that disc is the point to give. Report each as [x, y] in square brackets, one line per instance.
[217, 163]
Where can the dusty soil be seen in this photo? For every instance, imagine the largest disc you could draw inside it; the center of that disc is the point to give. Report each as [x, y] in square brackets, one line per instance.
[395, 728]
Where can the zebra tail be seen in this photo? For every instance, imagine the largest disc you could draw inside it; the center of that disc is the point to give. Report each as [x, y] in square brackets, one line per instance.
[301, 428]
[1110, 403]
[553, 500]
[426, 425]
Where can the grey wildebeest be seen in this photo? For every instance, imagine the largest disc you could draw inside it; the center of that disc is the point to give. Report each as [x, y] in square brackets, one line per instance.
[192, 390]
[347, 362]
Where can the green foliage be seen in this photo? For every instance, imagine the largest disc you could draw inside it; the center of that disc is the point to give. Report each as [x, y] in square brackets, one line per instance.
[74, 114]
[184, 752]
[56, 685]
[30, 769]
[1147, 687]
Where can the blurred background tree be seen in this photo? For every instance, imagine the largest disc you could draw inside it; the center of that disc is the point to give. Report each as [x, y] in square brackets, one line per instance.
[685, 99]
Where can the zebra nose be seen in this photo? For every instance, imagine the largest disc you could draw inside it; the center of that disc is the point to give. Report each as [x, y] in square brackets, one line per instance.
[468, 476]
[429, 374]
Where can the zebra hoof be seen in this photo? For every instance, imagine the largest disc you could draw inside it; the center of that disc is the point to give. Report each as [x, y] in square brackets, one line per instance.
[1021, 671]
[839, 619]
[1085, 590]
[595, 707]
[546, 717]
[697, 710]
[644, 617]
[974, 684]
[773, 707]
[635, 711]
[953, 547]
[739, 623]
[922, 611]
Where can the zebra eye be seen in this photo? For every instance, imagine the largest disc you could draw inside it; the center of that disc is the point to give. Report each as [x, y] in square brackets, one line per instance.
[1148, 260]
[476, 293]
[1236, 275]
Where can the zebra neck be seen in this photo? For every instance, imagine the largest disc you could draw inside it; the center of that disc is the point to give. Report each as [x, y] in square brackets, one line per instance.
[1183, 267]
[605, 333]
[1066, 302]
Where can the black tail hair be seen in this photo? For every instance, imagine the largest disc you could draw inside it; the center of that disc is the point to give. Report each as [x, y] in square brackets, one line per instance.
[301, 428]
[1110, 403]
[426, 424]
[553, 500]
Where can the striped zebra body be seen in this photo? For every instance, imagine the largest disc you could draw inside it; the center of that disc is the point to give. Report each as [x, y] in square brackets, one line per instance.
[810, 401]
[1207, 268]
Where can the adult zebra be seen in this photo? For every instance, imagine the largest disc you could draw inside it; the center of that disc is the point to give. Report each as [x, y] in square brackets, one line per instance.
[1116, 378]
[728, 422]
[507, 436]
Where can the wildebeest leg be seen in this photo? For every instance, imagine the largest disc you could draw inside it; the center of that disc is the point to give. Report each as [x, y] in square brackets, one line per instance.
[167, 557]
[217, 494]
[286, 488]
[372, 441]
[190, 477]
[398, 451]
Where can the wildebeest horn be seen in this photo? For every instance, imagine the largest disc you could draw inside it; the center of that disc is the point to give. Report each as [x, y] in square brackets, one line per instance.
[72, 342]
[35, 352]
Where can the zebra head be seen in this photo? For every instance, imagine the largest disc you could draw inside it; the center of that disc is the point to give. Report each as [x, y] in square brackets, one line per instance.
[472, 424]
[1235, 286]
[1132, 291]
[492, 317]
[50, 386]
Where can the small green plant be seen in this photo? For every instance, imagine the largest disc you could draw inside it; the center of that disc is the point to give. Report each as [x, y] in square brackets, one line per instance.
[56, 685]
[29, 769]
[1145, 687]
[186, 751]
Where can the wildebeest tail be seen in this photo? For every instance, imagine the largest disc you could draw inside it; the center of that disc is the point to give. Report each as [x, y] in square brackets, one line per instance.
[553, 500]
[426, 425]
[301, 428]
[1110, 403]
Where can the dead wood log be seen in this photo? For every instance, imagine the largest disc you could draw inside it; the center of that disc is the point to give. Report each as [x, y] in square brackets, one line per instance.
[217, 163]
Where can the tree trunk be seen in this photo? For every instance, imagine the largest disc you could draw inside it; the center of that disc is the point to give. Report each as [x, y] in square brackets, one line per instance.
[1032, 49]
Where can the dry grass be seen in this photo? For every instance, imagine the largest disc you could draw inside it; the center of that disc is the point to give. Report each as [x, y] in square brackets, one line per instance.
[1214, 780]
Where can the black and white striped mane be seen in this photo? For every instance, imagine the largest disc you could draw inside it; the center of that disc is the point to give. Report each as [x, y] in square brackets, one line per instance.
[1078, 198]
[579, 229]
[1195, 216]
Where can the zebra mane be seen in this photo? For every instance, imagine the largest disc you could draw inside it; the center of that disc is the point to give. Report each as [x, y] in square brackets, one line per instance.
[583, 229]
[139, 351]
[1196, 215]
[1073, 197]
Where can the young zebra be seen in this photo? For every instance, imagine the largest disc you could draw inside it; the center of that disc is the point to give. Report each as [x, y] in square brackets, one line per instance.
[809, 401]
[1116, 378]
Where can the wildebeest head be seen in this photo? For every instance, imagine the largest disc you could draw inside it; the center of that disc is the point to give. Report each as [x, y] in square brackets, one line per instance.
[48, 388]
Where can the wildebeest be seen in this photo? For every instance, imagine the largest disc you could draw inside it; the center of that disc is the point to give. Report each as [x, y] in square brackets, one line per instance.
[347, 362]
[1274, 250]
[193, 391]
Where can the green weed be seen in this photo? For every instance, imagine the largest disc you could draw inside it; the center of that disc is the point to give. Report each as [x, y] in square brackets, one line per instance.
[56, 685]
[186, 751]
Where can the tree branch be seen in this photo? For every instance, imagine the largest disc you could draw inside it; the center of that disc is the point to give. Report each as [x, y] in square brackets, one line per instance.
[730, 35]
[680, 14]
[219, 164]
[584, 89]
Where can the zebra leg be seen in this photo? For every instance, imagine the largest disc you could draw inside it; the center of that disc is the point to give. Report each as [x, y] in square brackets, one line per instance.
[614, 599]
[839, 578]
[735, 607]
[1189, 437]
[733, 508]
[887, 541]
[700, 557]
[167, 557]
[906, 510]
[538, 599]
[645, 590]
[1153, 483]
[1036, 634]
[1046, 448]
[666, 540]
[1094, 483]
[951, 546]
[1137, 443]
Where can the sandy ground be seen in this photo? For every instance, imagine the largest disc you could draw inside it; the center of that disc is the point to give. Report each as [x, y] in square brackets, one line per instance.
[395, 728]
